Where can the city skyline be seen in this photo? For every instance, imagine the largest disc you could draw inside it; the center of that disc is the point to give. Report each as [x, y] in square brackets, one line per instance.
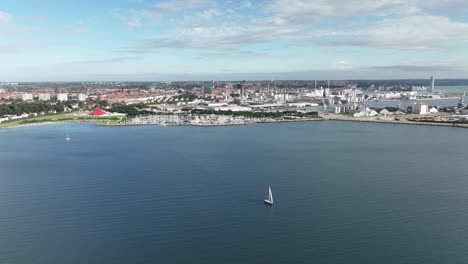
[143, 40]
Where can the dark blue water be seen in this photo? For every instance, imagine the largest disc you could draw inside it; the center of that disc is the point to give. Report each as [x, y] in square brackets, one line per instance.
[344, 192]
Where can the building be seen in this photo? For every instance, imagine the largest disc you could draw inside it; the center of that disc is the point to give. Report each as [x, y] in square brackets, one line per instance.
[432, 83]
[384, 112]
[62, 97]
[97, 112]
[2, 90]
[44, 97]
[420, 109]
[82, 97]
[27, 97]
[233, 108]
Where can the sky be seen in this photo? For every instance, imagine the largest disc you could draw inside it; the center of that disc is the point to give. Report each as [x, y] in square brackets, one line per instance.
[171, 40]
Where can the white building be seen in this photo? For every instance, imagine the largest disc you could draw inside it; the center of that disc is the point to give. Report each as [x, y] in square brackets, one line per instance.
[302, 104]
[384, 112]
[44, 97]
[366, 112]
[433, 110]
[233, 108]
[420, 109]
[2, 90]
[27, 97]
[82, 97]
[315, 93]
[62, 97]
[281, 98]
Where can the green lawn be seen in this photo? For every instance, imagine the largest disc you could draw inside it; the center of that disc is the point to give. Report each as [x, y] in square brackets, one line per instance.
[111, 120]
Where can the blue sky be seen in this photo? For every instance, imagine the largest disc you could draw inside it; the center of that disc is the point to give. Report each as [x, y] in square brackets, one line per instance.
[73, 40]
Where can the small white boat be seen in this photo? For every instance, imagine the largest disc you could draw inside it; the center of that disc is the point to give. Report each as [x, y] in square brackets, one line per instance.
[269, 201]
[67, 138]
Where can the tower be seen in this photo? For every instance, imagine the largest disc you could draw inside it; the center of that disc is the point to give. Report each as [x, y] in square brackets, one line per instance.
[432, 83]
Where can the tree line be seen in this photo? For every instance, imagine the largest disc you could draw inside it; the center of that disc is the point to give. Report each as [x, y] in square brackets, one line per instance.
[34, 107]
[131, 110]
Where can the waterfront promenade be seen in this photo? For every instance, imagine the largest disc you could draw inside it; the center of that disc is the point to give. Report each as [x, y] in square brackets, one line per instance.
[404, 119]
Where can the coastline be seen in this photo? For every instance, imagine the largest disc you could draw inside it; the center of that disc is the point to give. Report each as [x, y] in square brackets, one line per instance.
[403, 121]
[50, 123]
[54, 119]
[34, 124]
[333, 117]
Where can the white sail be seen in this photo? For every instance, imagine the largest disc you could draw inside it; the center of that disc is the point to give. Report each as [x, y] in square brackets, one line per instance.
[270, 195]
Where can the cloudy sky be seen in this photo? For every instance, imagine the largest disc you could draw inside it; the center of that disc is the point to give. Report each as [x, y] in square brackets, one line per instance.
[59, 40]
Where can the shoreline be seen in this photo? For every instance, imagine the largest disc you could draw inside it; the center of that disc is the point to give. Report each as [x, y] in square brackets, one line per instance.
[458, 125]
[54, 122]
[323, 118]
[35, 124]
[55, 119]
[401, 122]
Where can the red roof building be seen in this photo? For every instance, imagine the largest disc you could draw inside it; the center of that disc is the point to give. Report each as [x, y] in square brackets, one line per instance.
[97, 112]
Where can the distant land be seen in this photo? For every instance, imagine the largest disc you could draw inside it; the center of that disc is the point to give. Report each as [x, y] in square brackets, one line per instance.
[359, 82]
[210, 103]
[439, 82]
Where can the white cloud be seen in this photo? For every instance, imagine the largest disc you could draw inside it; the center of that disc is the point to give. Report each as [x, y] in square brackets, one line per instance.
[343, 65]
[166, 8]
[155, 12]
[411, 32]
[423, 31]
[223, 28]
[178, 5]
[305, 11]
[5, 17]
[451, 7]
[399, 24]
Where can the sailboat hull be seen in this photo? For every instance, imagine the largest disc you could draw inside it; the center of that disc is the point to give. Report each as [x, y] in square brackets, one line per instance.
[268, 202]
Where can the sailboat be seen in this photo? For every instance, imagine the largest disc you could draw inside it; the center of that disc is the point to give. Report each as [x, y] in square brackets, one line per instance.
[269, 201]
[67, 138]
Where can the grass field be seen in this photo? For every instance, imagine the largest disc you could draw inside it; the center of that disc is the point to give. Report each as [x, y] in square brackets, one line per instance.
[109, 120]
